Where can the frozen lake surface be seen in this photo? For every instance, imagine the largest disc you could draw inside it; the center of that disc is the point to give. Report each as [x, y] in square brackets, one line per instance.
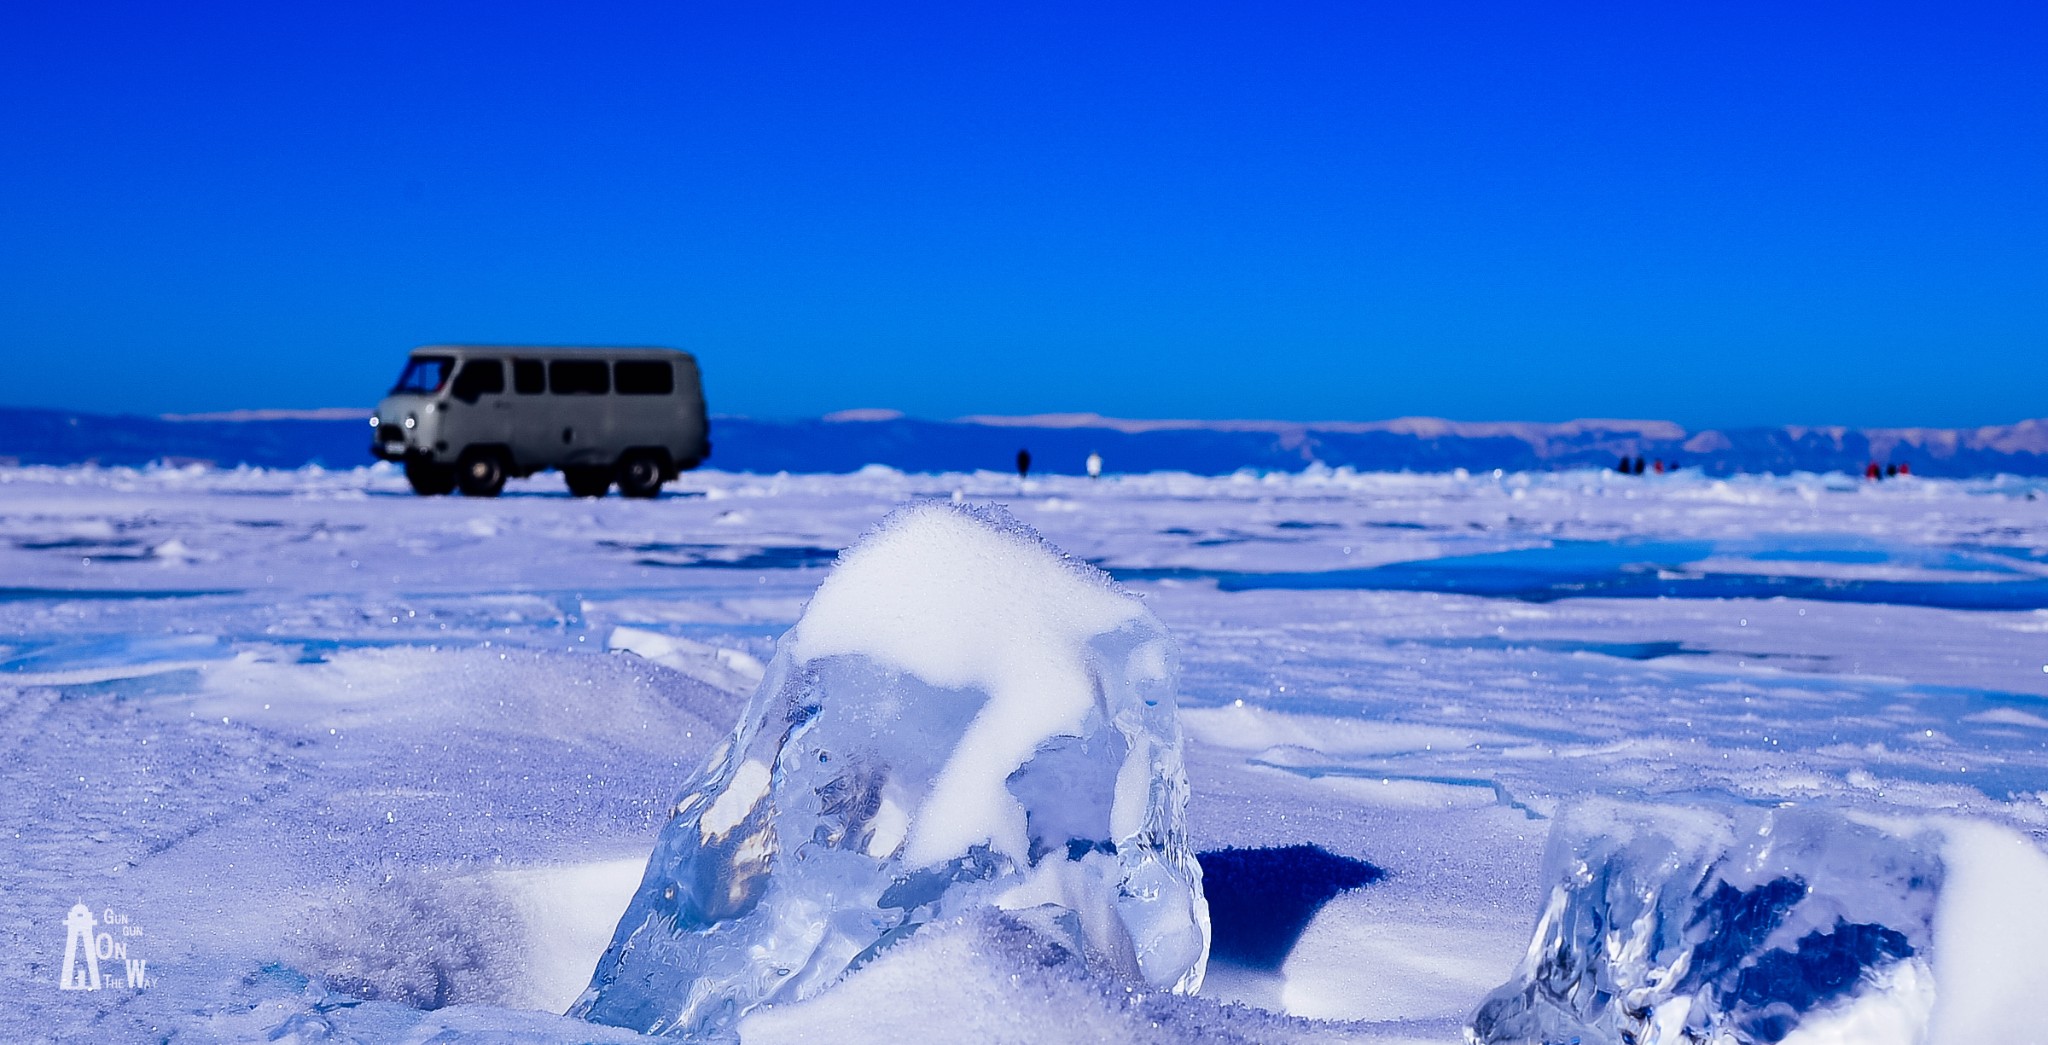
[357, 764]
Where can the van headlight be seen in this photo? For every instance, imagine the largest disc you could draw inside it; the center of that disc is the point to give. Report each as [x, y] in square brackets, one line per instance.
[411, 422]
[375, 420]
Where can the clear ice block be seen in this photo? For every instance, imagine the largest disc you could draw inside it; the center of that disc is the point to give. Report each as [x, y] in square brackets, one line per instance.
[1724, 923]
[964, 718]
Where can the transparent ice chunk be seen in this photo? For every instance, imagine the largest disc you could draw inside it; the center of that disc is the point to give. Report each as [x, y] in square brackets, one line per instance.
[1726, 924]
[963, 719]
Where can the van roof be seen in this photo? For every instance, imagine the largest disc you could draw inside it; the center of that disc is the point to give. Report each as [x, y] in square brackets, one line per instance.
[615, 351]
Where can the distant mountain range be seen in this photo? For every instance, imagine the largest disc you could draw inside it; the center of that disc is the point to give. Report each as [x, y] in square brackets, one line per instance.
[1060, 443]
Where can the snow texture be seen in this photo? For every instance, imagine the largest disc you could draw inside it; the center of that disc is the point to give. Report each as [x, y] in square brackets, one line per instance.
[345, 755]
[963, 718]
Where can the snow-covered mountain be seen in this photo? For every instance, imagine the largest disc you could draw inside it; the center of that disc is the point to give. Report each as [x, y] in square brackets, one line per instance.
[1060, 443]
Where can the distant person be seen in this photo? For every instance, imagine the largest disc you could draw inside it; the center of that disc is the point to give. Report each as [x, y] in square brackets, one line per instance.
[1094, 465]
[1623, 465]
[1639, 464]
[1870, 472]
[1905, 468]
[1659, 466]
[1023, 463]
[1891, 471]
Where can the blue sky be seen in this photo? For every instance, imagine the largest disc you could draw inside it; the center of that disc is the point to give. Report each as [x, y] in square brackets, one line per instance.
[1720, 214]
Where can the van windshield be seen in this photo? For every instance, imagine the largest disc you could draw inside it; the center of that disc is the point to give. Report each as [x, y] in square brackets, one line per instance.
[424, 375]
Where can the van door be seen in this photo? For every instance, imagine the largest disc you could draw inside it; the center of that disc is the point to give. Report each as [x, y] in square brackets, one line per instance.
[581, 393]
[646, 398]
[478, 411]
[535, 436]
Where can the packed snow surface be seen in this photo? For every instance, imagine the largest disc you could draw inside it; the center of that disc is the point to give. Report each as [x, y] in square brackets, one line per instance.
[354, 765]
[962, 720]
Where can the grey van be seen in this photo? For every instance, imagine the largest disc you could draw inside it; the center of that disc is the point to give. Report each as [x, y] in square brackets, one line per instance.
[468, 416]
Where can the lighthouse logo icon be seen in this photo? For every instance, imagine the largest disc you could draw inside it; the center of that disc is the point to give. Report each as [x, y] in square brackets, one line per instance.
[86, 950]
[78, 941]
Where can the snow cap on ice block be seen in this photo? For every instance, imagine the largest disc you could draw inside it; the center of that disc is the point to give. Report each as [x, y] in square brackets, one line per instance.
[964, 718]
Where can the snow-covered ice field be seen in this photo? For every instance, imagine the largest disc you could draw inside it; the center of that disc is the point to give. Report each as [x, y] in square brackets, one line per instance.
[353, 764]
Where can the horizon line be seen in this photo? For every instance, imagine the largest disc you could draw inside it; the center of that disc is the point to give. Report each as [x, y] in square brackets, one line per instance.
[1419, 426]
[1416, 425]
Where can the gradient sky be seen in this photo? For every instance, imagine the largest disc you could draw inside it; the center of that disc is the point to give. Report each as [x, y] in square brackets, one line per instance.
[1722, 214]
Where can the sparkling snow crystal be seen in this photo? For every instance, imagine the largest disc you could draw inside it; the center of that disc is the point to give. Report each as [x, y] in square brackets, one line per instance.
[962, 719]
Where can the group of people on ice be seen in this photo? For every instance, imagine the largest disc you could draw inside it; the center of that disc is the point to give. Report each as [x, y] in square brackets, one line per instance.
[1634, 466]
[1873, 471]
[1094, 464]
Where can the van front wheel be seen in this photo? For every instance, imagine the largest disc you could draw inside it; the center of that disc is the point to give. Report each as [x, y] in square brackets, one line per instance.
[640, 475]
[429, 479]
[587, 482]
[480, 473]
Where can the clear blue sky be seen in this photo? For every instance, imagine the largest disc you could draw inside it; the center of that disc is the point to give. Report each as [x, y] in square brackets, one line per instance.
[1720, 214]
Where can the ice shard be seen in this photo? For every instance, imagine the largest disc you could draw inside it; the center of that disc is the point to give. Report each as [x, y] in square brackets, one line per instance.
[1728, 924]
[964, 718]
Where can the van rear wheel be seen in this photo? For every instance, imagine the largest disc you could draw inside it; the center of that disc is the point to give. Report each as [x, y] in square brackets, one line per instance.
[640, 475]
[480, 473]
[587, 482]
[429, 479]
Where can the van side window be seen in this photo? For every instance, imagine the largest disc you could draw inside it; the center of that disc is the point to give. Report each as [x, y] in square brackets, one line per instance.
[529, 377]
[572, 377]
[645, 377]
[479, 377]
